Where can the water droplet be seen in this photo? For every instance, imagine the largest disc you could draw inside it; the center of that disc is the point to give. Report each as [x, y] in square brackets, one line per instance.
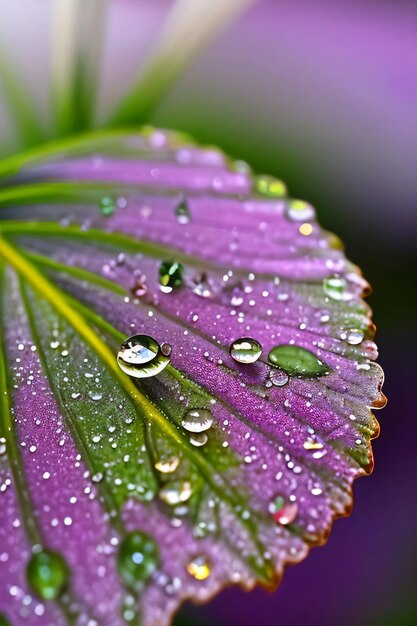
[48, 574]
[199, 439]
[201, 286]
[336, 287]
[283, 511]
[170, 275]
[138, 558]
[107, 206]
[199, 568]
[278, 377]
[197, 420]
[3, 447]
[168, 465]
[300, 211]
[353, 336]
[175, 492]
[245, 350]
[270, 186]
[141, 356]
[139, 287]
[296, 361]
[182, 212]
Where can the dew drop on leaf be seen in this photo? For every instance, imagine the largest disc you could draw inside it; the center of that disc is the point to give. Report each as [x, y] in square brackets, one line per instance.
[197, 420]
[141, 356]
[182, 212]
[168, 465]
[353, 336]
[199, 439]
[138, 558]
[283, 511]
[296, 361]
[278, 377]
[48, 574]
[170, 275]
[107, 206]
[199, 568]
[336, 288]
[176, 492]
[300, 211]
[270, 186]
[201, 286]
[245, 350]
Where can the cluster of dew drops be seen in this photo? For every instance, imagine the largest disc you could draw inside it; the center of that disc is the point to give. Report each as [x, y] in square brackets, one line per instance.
[142, 356]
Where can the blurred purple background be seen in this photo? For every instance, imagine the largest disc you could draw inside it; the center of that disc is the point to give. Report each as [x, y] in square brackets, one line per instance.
[324, 95]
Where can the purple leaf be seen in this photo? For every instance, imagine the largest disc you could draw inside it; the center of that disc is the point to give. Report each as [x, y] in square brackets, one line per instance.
[187, 374]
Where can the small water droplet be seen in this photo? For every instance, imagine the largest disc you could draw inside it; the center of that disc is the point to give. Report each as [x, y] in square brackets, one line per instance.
[300, 211]
[283, 511]
[353, 336]
[182, 212]
[245, 350]
[270, 186]
[336, 287]
[167, 465]
[199, 568]
[170, 275]
[278, 377]
[201, 286]
[197, 420]
[107, 206]
[199, 439]
[3, 447]
[141, 356]
[48, 574]
[175, 492]
[296, 361]
[139, 287]
[138, 558]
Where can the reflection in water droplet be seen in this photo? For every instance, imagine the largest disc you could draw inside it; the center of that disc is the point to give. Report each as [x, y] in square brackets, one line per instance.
[107, 206]
[270, 186]
[296, 361]
[175, 492]
[168, 465]
[170, 275]
[182, 212]
[283, 511]
[138, 558]
[197, 420]
[201, 286]
[141, 356]
[278, 378]
[47, 574]
[199, 439]
[199, 568]
[300, 211]
[245, 350]
[336, 287]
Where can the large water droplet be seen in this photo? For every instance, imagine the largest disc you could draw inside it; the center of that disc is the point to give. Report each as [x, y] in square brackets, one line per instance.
[300, 211]
[107, 206]
[141, 356]
[245, 350]
[182, 212]
[283, 511]
[336, 287]
[197, 420]
[170, 275]
[138, 558]
[199, 568]
[296, 361]
[176, 492]
[47, 574]
[353, 336]
[270, 186]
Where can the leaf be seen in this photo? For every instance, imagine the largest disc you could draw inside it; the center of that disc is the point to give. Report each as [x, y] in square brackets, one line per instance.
[123, 494]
